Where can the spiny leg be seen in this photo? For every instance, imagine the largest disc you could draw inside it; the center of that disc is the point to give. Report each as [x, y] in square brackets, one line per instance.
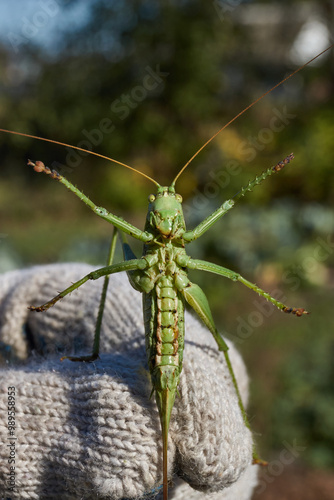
[130, 265]
[197, 299]
[227, 205]
[202, 265]
[223, 347]
[96, 343]
[100, 211]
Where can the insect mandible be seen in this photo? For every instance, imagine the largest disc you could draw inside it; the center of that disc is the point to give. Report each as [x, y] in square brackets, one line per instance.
[161, 275]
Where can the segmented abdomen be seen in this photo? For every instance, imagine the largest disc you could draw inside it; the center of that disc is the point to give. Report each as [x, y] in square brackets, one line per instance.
[164, 328]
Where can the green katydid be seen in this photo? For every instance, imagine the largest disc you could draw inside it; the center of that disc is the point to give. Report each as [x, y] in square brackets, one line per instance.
[161, 275]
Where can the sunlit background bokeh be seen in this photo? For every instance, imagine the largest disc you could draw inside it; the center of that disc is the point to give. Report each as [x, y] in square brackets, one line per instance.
[148, 83]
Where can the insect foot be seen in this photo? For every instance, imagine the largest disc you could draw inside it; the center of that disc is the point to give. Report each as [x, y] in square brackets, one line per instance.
[298, 311]
[259, 461]
[40, 167]
[282, 163]
[37, 308]
[83, 359]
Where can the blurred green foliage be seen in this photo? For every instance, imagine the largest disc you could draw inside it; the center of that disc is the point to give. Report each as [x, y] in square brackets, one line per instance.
[211, 59]
[306, 400]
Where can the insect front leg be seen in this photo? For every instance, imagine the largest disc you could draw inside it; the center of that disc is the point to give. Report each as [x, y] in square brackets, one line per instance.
[100, 211]
[227, 205]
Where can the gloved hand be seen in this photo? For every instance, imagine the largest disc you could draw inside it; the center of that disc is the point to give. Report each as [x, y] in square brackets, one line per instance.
[90, 431]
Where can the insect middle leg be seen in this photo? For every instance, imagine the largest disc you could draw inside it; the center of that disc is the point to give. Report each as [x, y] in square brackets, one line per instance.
[130, 265]
[202, 265]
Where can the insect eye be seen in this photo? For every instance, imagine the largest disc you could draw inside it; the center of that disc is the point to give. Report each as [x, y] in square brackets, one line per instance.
[178, 197]
[151, 198]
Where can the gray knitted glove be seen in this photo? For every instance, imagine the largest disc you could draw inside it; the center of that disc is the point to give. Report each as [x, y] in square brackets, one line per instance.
[90, 431]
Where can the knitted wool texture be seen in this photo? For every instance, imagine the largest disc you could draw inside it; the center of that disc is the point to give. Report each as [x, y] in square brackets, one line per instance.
[91, 431]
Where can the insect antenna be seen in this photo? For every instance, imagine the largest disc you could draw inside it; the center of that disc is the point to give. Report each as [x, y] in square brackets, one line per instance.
[245, 109]
[80, 149]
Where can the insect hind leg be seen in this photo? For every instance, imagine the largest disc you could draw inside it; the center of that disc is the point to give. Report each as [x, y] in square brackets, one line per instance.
[96, 343]
[196, 298]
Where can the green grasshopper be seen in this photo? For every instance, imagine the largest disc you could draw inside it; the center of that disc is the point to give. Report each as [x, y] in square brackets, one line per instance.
[161, 275]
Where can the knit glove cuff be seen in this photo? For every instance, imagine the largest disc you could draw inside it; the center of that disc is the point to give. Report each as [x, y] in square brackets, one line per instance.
[91, 431]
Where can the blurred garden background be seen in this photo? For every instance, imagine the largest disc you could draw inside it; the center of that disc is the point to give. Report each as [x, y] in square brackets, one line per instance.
[148, 83]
